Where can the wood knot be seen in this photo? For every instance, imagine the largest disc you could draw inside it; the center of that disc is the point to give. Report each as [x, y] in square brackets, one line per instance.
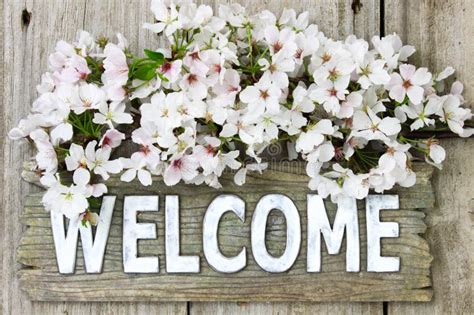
[25, 19]
[356, 6]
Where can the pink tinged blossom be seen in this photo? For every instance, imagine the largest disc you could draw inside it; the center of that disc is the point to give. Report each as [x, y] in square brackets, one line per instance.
[98, 161]
[369, 126]
[329, 94]
[207, 155]
[90, 96]
[115, 75]
[76, 158]
[194, 85]
[293, 120]
[76, 70]
[171, 70]
[264, 95]
[115, 92]
[195, 64]
[61, 133]
[337, 70]
[58, 59]
[280, 40]
[70, 201]
[395, 156]
[234, 14]
[409, 82]
[46, 156]
[112, 139]
[281, 64]
[228, 159]
[115, 65]
[193, 16]
[227, 90]
[216, 64]
[183, 167]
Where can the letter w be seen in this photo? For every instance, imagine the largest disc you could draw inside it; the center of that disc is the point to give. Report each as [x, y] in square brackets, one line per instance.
[66, 243]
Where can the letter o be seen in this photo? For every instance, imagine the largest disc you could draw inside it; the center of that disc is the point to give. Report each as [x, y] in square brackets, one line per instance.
[293, 233]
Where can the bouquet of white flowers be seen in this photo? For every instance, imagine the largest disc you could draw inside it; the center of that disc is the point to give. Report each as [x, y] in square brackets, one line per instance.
[226, 87]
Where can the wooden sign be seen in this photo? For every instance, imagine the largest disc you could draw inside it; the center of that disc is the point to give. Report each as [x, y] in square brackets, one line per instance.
[269, 240]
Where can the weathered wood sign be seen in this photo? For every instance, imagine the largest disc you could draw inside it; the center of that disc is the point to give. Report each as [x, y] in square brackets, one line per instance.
[270, 240]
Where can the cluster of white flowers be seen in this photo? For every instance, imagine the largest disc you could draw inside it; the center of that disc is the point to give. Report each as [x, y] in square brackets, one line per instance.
[226, 87]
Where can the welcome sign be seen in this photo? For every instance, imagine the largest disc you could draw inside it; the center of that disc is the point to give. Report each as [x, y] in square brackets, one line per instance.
[270, 240]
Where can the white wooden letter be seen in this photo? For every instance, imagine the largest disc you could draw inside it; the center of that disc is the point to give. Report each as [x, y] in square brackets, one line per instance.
[66, 243]
[293, 230]
[318, 224]
[215, 211]
[174, 262]
[132, 231]
[376, 230]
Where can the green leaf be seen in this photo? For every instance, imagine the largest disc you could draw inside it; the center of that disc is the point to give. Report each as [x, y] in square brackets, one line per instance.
[156, 56]
[94, 203]
[84, 126]
[145, 72]
[162, 77]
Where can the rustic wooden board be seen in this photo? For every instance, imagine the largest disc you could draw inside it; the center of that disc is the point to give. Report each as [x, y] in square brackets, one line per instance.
[442, 32]
[25, 48]
[41, 280]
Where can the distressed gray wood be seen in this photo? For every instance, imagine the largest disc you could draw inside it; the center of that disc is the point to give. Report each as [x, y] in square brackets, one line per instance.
[24, 58]
[442, 32]
[40, 278]
[336, 19]
[25, 51]
[300, 308]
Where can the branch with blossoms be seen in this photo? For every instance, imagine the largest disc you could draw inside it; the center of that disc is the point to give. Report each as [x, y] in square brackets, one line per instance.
[225, 87]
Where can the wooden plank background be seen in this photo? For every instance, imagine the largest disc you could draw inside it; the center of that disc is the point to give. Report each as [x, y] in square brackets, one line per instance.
[441, 30]
[39, 275]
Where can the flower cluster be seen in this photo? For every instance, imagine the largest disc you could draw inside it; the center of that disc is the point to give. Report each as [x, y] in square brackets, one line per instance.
[226, 86]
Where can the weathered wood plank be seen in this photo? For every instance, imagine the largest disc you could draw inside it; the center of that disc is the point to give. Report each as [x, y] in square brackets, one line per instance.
[16, 303]
[42, 281]
[442, 33]
[365, 23]
[353, 308]
[24, 50]
[2, 145]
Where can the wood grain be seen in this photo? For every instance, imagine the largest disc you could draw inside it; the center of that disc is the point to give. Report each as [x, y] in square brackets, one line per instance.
[442, 33]
[25, 50]
[40, 278]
